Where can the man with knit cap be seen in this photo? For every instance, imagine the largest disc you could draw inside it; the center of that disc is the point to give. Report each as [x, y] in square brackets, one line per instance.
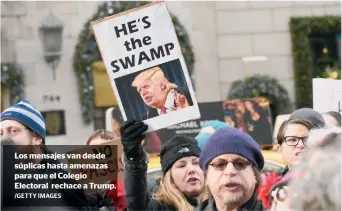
[232, 161]
[23, 123]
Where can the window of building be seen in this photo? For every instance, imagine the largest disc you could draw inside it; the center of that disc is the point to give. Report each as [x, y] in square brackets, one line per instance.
[325, 51]
[100, 118]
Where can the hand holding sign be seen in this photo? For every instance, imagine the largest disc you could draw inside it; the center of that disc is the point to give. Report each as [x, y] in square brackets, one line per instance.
[131, 138]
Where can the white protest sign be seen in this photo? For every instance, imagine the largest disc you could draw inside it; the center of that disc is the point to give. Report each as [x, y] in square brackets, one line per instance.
[145, 65]
[326, 95]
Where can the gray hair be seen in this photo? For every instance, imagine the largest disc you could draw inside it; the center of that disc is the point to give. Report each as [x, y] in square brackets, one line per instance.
[320, 137]
[319, 186]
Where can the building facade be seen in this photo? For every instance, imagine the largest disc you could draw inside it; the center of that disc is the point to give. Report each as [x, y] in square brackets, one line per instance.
[231, 41]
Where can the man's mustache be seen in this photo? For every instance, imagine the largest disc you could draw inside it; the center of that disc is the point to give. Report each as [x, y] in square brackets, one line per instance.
[231, 181]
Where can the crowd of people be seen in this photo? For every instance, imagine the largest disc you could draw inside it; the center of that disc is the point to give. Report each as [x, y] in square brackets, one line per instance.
[217, 170]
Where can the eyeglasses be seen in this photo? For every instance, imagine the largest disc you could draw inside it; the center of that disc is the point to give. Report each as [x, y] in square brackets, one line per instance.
[294, 140]
[239, 164]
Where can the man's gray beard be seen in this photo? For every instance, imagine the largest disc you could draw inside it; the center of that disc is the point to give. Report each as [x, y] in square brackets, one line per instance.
[233, 199]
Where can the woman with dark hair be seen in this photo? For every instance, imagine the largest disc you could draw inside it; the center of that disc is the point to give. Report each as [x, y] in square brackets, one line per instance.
[258, 125]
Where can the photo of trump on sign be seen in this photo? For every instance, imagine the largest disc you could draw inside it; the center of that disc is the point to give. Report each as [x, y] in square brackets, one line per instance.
[159, 94]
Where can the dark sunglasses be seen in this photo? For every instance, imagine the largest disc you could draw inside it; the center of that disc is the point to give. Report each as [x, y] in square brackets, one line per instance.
[239, 164]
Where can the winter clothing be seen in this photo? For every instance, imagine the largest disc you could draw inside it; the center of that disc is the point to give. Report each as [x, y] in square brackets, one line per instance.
[310, 115]
[251, 205]
[131, 137]
[284, 171]
[117, 195]
[137, 192]
[229, 140]
[26, 114]
[207, 130]
[176, 148]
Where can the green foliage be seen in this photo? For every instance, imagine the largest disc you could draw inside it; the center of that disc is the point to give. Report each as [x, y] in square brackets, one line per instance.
[12, 77]
[263, 86]
[86, 52]
[301, 28]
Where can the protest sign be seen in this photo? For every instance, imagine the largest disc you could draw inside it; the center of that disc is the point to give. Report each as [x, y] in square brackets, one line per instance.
[112, 150]
[326, 95]
[252, 116]
[145, 65]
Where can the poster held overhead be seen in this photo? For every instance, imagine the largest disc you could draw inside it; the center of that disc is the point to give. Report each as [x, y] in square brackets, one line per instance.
[145, 65]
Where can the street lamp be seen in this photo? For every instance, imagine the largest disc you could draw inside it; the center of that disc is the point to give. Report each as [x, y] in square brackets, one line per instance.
[51, 33]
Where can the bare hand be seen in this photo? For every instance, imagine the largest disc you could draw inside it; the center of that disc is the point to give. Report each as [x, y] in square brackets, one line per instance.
[180, 101]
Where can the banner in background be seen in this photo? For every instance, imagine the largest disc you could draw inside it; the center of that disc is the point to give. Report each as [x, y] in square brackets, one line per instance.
[252, 116]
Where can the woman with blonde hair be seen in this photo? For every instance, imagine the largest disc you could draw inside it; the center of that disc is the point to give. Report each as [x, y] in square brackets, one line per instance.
[182, 181]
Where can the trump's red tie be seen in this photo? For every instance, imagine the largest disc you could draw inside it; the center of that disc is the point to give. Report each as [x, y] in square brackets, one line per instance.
[163, 110]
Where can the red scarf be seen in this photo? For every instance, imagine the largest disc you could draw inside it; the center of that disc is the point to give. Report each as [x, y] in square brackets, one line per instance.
[117, 195]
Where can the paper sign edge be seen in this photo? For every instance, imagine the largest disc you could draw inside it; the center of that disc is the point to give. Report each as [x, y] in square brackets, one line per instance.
[125, 12]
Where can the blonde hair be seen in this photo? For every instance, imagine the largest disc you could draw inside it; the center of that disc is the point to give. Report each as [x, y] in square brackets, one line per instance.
[156, 75]
[169, 195]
